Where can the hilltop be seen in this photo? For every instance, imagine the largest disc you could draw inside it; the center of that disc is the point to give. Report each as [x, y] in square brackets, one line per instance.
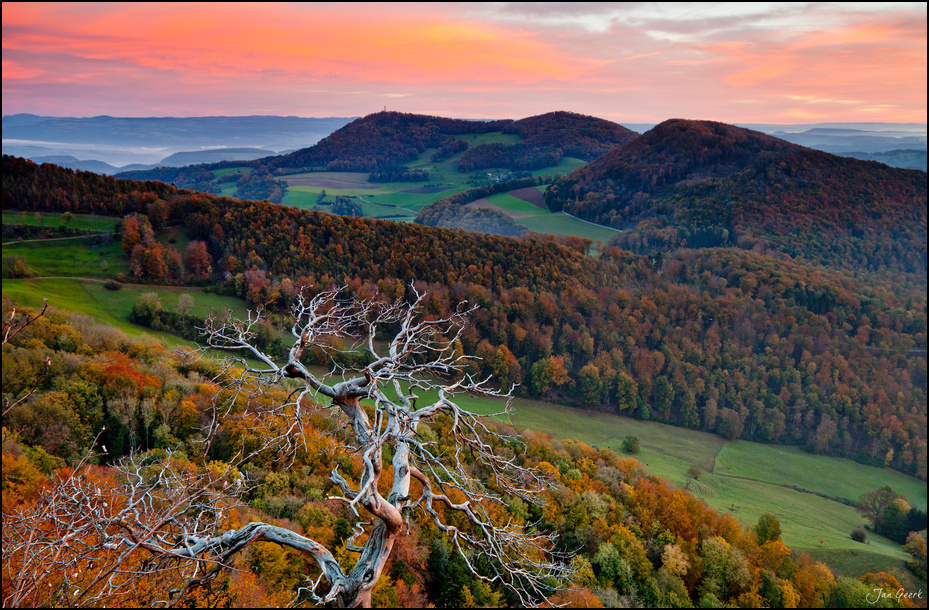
[702, 184]
[547, 138]
[384, 141]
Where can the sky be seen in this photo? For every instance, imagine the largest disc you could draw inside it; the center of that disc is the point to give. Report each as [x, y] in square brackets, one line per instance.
[635, 62]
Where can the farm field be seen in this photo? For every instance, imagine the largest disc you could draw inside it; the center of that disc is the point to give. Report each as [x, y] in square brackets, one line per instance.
[391, 199]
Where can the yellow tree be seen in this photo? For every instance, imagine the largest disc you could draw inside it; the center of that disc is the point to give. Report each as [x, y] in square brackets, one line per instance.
[171, 519]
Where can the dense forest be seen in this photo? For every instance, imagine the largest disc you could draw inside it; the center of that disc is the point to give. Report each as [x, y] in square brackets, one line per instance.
[727, 340]
[635, 539]
[700, 183]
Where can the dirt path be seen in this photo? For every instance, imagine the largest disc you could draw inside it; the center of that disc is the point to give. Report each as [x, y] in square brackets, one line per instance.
[26, 241]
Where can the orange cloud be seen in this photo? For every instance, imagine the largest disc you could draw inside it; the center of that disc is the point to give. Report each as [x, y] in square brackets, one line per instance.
[755, 75]
[252, 39]
[445, 58]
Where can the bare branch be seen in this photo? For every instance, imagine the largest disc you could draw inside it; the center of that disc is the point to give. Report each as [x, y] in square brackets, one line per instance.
[173, 515]
[11, 328]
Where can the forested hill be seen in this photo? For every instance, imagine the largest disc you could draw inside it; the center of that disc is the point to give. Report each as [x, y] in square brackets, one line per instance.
[388, 139]
[584, 137]
[701, 183]
[731, 341]
[378, 140]
[382, 139]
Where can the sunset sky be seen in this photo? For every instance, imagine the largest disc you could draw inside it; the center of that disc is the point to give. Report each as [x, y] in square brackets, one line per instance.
[628, 62]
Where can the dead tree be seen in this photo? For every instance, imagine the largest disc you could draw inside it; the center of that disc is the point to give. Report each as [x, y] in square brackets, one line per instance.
[178, 525]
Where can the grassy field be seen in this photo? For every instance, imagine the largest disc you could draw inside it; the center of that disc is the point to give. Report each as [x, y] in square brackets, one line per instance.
[494, 137]
[68, 257]
[831, 477]
[563, 224]
[544, 221]
[393, 197]
[757, 483]
[82, 222]
[90, 297]
[219, 173]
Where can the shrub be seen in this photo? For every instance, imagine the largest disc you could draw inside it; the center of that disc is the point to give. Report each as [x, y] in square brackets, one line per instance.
[631, 444]
[112, 285]
[859, 535]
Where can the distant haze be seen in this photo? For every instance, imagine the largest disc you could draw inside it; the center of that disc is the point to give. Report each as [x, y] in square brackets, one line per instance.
[111, 144]
[627, 62]
[119, 141]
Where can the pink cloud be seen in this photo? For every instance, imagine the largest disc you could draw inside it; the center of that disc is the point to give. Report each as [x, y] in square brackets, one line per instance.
[466, 59]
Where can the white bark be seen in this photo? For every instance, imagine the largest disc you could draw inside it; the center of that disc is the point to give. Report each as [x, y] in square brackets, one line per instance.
[381, 411]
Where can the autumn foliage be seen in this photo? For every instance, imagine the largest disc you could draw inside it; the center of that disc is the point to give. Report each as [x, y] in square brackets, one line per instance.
[722, 339]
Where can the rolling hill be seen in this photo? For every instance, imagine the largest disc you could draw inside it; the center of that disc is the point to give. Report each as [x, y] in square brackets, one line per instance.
[381, 143]
[701, 184]
[545, 139]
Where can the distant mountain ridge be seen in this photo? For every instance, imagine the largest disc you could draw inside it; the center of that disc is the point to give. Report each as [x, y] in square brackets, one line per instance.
[702, 183]
[120, 141]
[178, 159]
[155, 131]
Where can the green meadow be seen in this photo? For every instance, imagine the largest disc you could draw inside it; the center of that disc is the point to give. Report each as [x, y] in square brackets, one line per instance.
[82, 222]
[113, 307]
[219, 173]
[761, 480]
[542, 220]
[68, 257]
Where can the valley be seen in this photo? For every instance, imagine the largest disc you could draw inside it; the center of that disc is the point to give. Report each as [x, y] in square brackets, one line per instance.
[464, 305]
[751, 356]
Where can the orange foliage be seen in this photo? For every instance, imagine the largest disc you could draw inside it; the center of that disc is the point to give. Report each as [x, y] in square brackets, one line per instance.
[575, 597]
[771, 555]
